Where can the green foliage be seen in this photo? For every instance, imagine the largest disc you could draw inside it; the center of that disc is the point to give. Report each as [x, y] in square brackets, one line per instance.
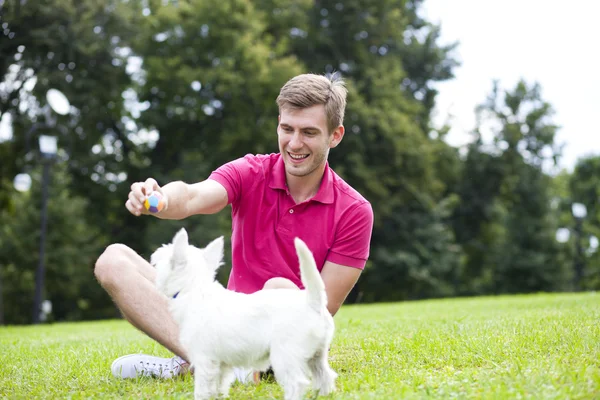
[504, 220]
[584, 188]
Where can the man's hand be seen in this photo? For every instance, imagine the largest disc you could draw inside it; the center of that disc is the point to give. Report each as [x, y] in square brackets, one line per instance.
[138, 193]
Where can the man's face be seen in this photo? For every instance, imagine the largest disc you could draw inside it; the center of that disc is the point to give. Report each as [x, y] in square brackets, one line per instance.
[304, 140]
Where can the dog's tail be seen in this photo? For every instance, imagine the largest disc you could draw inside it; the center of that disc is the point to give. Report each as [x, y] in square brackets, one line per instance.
[311, 278]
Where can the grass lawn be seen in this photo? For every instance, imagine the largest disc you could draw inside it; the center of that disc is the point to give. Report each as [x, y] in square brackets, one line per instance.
[538, 347]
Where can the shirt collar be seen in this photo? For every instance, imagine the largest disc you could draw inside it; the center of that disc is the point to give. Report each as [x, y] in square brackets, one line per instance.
[324, 194]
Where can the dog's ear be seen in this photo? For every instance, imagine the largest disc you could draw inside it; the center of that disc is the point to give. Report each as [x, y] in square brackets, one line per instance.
[213, 253]
[180, 245]
[181, 238]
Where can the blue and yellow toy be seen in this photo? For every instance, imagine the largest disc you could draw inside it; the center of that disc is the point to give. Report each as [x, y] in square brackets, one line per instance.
[154, 202]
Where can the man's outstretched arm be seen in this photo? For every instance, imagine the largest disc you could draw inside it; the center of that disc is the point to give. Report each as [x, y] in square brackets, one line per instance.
[181, 199]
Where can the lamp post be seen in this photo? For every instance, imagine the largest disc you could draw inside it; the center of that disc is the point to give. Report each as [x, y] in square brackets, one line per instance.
[48, 148]
[579, 211]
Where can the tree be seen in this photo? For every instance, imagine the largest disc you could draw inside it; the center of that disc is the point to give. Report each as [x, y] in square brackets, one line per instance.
[505, 220]
[584, 188]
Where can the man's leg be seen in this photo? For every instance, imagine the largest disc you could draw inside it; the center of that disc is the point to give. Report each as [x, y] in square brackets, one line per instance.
[129, 280]
[279, 283]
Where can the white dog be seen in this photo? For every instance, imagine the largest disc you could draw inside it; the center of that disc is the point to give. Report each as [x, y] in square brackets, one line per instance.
[290, 330]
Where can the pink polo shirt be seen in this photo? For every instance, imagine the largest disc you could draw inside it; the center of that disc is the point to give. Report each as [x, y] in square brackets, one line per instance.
[336, 223]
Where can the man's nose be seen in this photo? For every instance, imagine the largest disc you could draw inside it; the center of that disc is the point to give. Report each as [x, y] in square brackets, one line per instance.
[296, 141]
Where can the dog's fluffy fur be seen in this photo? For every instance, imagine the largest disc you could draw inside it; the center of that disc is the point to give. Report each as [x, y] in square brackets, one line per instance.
[290, 330]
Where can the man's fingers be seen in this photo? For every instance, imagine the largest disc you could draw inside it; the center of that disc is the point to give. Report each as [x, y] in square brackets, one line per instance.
[137, 191]
[136, 201]
[132, 209]
[149, 186]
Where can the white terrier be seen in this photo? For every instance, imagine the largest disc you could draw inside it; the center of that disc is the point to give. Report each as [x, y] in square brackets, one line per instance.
[290, 330]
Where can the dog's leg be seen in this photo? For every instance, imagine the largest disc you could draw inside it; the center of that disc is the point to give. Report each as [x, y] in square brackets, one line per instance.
[206, 380]
[291, 374]
[323, 377]
[201, 391]
[225, 380]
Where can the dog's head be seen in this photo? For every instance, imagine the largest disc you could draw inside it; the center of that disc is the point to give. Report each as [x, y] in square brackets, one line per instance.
[178, 264]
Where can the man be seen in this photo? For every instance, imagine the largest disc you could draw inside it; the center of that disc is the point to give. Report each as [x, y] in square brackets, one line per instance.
[274, 198]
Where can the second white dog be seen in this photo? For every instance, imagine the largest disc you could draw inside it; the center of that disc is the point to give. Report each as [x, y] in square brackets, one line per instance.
[290, 330]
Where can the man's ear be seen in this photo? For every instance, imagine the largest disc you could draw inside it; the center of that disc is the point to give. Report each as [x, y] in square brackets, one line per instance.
[213, 253]
[336, 136]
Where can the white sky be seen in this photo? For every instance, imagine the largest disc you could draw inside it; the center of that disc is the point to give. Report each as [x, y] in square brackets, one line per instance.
[552, 42]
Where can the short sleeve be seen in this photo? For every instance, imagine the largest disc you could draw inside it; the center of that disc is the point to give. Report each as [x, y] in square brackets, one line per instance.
[238, 176]
[353, 237]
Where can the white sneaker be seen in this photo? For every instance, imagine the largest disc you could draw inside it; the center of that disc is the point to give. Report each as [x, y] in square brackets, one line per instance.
[137, 365]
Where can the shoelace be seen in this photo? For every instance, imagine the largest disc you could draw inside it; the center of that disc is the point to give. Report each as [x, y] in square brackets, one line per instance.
[152, 369]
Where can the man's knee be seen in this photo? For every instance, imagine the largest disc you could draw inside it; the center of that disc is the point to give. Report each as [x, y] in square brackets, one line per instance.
[279, 283]
[110, 261]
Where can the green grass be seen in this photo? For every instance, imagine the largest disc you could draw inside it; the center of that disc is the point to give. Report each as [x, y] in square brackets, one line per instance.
[537, 347]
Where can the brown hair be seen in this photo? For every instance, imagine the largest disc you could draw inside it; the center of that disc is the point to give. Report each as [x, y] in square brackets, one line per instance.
[309, 90]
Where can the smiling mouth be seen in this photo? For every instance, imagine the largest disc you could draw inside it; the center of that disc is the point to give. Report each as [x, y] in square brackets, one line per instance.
[297, 157]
